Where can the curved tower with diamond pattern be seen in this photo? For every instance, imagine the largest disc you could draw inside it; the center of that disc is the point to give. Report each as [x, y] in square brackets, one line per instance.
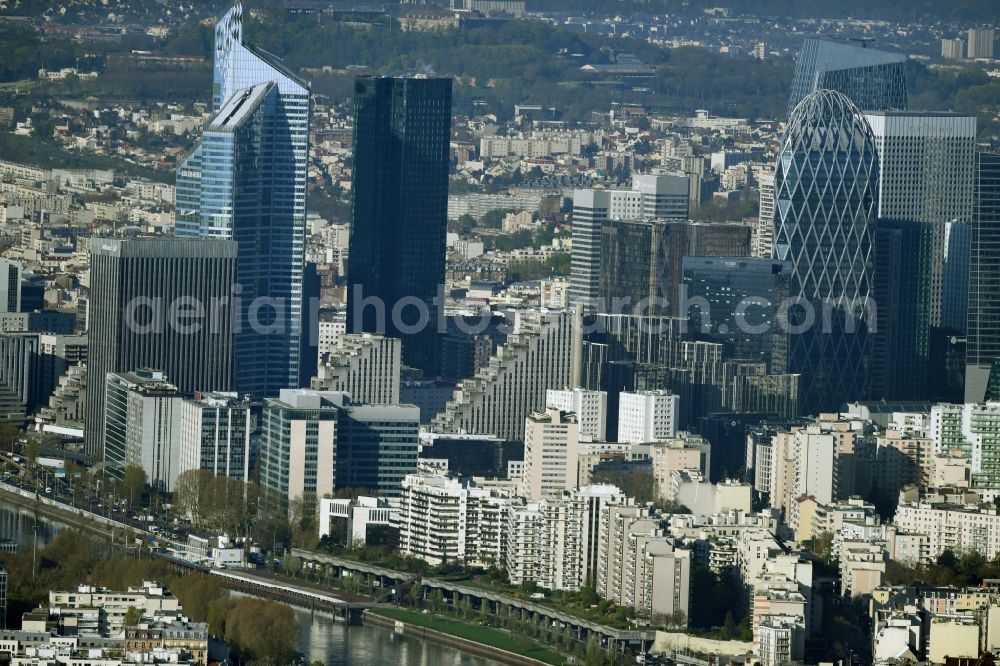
[826, 189]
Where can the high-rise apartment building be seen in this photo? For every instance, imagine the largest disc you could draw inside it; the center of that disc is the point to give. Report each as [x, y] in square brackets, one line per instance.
[141, 426]
[443, 519]
[872, 80]
[828, 147]
[647, 416]
[638, 566]
[402, 129]
[215, 431]
[160, 304]
[983, 335]
[981, 42]
[551, 452]
[541, 353]
[590, 407]
[363, 365]
[652, 197]
[762, 242]
[952, 49]
[926, 166]
[972, 431]
[246, 182]
[569, 535]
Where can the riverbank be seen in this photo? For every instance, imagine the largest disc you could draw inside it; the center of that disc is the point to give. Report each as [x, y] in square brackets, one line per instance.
[479, 641]
[482, 641]
[66, 516]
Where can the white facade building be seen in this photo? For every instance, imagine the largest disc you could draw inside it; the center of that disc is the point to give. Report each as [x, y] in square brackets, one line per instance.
[954, 527]
[141, 425]
[356, 516]
[647, 416]
[590, 407]
[551, 452]
[442, 519]
[215, 431]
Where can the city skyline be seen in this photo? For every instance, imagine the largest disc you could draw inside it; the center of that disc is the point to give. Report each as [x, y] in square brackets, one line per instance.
[520, 332]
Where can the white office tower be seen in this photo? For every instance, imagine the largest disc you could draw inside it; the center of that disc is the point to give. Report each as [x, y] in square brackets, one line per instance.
[981, 41]
[551, 453]
[762, 241]
[540, 354]
[215, 433]
[569, 538]
[140, 427]
[590, 407]
[363, 365]
[652, 197]
[442, 519]
[298, 456]
[647, 416]
[926, 166]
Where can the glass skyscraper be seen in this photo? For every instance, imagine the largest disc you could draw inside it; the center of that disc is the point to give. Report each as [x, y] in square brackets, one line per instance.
[901, 288]
[246, 181]
[402, 132]
[873, 80]
[926, 165]
[826, 190]
[983, 335]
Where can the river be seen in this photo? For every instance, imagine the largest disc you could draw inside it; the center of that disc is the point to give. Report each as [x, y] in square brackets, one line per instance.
[321, 638]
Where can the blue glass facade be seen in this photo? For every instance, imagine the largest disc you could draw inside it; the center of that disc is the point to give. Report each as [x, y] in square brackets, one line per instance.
[246, 181]
[826, 189]
[873, 80]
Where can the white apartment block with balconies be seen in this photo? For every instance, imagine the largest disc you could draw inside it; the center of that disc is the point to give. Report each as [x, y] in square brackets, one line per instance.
[443, 519]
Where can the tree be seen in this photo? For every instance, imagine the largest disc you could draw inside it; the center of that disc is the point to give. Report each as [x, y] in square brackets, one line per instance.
[8, 435]
[31, 451]
[133, 483]
[132, 616]
[595, 653]
[729, 626]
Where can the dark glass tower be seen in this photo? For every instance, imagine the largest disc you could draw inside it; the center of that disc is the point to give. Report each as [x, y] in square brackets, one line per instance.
[902, 290]
[826, 191]
[983, 338]
[873, 80]
[402, 130]
[734, 301]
